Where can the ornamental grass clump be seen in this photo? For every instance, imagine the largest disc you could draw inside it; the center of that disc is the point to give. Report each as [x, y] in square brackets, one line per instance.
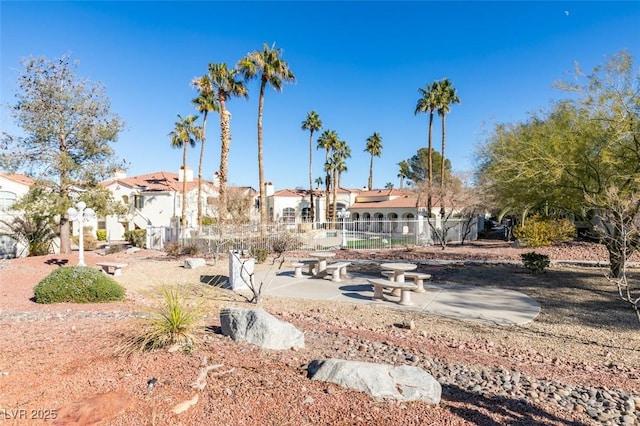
[78, 284]
[173, 323]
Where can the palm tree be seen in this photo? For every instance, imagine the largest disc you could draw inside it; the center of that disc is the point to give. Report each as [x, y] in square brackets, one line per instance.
[224, 84]
[428, 103]
[318, 181]
[204, 102]
[446, 96]
[185, 133]
[373, 147]
[404, 172]
[272, 70]
[327, 140]
[341, 151]
[388, 185]
[312, 124]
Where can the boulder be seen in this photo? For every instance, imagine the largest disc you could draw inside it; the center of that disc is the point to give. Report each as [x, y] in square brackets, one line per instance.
[260, 328]
[381, 381]
[193, 263]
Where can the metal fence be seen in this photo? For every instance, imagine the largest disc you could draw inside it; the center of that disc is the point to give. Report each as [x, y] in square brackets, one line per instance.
[366, 235]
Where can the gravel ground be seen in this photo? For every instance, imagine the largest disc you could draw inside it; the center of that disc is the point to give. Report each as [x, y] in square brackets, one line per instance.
[576, 364]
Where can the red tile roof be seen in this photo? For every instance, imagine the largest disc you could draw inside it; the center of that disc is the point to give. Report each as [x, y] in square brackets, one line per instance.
[157, 181]
[19, 178]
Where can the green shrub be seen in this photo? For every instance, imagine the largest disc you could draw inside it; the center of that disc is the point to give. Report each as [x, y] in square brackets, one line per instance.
[535, 262]
[101, 234]
[537, 232]
[208, 221]
[173, 322]
[78, 284]
[137, 237]
[260, 254]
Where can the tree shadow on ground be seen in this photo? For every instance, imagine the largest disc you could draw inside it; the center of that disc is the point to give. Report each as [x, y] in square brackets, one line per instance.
[57, 262]
[579, 295]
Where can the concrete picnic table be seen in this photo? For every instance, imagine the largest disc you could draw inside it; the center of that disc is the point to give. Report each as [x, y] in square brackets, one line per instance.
[398, 269]
[322, 257]
[398, 272]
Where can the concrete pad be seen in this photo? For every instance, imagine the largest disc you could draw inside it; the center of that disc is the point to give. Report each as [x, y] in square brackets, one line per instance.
[476, 304]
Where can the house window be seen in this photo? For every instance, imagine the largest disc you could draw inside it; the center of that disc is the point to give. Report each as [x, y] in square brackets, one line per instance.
[306, 214]
[138, 201]
[7, 199]
[289, 215]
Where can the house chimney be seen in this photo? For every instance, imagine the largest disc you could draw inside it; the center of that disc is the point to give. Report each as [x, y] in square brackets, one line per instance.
[268, 189]
[119, 174]
[216, 178]
[185, 175]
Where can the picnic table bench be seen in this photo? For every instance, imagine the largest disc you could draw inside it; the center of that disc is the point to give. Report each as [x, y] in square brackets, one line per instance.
[379, 284]
[337, 270]
[113, 268]
[417, 277]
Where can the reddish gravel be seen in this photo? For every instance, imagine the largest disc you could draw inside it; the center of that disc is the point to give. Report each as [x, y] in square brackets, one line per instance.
[57, 360]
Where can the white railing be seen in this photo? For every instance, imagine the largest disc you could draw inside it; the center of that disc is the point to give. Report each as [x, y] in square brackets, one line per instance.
[367, 235]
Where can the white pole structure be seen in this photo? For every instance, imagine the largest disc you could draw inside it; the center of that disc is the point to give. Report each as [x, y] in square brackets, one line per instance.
[344, 215]
[80, 215]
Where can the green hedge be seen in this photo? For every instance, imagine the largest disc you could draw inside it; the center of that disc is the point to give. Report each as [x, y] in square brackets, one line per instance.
[78, 284]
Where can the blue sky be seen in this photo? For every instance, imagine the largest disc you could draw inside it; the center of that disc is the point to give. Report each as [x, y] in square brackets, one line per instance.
[358, 64]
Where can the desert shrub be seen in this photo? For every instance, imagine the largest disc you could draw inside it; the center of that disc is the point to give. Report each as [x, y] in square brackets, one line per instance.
[113, 249]
[37, 231]
[537, 232]
[101, 234]
[177, 249]
[78, 284]
[284, 242]
[88, 242]
[174, 321]
[260, 254]
[137, 237]
[190, 250]
[173, 249]
[535, 262]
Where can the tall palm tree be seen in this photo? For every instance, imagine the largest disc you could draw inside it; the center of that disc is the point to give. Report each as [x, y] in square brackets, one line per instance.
[312, 124]
[273, 70]
[185, 133]
[404, 172]
[341, 152]
[428, 102]
[205, 102]
[327, 140]
[373, 147]
[225, 84]
[318, 181]
[446, 96]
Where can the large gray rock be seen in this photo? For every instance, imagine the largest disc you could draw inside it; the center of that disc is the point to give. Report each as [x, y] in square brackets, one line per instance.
[260, 328]
[382, 381]
[194, 262]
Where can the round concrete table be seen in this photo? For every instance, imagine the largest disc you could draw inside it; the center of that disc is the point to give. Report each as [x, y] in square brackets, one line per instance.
[398, 272]
[322, 257]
